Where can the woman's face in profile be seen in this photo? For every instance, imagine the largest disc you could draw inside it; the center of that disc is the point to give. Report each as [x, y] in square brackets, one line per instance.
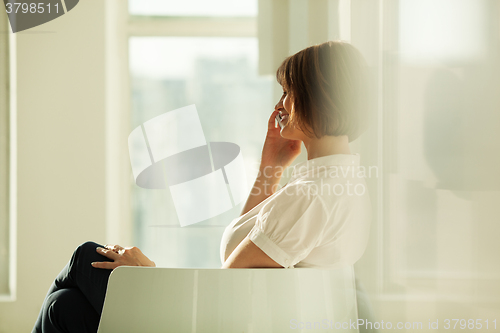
[285, 107]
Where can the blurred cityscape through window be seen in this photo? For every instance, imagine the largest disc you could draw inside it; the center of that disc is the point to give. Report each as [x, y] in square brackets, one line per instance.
[218, 75]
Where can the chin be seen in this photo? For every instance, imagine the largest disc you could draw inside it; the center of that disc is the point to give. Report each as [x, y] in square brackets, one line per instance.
[290, 134]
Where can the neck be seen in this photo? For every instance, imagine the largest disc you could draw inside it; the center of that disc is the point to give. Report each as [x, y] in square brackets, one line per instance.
[327, 145]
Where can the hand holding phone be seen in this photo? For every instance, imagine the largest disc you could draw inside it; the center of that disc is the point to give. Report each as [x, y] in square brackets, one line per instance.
[282, 120]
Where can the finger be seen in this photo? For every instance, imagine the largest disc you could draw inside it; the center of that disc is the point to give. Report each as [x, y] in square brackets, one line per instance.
[116, 248]
[108, 253]
[105, 264]
[272, 120]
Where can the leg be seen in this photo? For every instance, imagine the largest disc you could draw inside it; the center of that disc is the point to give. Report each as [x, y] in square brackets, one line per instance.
[69, 311]
[79, 274]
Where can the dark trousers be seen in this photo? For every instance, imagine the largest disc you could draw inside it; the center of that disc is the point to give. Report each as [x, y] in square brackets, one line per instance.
[76, 297]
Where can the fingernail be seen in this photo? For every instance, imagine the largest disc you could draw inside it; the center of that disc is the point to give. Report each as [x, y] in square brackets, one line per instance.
[93, 263]
[99, 248]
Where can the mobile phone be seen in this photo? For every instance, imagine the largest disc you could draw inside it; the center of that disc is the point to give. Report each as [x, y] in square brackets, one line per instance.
[282, 120]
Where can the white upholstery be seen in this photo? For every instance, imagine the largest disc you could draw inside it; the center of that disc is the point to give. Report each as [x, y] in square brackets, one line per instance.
[141, 299]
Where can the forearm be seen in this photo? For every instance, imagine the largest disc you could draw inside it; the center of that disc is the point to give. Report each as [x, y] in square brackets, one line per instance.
[265, 185]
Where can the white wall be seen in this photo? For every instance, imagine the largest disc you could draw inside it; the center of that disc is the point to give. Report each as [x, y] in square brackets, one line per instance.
[61, 152]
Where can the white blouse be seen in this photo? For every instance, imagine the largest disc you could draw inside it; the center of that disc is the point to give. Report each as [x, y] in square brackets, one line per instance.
[321, 218]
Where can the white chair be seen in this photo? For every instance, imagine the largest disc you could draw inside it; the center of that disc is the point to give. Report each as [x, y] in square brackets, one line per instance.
[142, 299]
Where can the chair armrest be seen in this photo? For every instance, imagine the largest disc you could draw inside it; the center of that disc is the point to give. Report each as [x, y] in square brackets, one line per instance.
[146, 299]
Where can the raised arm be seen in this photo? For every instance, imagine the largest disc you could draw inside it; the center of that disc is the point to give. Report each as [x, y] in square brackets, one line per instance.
[277, 154]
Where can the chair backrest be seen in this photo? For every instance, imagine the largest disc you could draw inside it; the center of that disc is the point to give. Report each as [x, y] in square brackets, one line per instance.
[141, 299]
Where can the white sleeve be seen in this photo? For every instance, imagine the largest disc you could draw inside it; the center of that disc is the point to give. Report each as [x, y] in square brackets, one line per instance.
[290, 225]
[227, 244]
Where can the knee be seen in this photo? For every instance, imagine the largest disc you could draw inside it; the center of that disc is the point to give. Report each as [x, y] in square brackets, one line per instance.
[85, 254]
[87, 247]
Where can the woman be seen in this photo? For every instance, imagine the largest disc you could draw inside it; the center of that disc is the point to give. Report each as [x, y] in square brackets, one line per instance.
[319, 219]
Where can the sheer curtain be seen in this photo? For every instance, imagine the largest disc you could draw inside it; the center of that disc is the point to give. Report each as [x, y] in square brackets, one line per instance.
[434, 139]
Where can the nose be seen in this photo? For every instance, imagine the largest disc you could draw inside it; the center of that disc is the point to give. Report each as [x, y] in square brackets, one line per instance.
[279, 106]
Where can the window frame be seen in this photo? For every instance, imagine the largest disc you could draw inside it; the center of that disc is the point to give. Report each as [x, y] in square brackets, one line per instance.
[8, 151]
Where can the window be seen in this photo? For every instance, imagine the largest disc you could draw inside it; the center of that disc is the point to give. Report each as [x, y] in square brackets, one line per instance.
[210, 62]
[7, 227]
